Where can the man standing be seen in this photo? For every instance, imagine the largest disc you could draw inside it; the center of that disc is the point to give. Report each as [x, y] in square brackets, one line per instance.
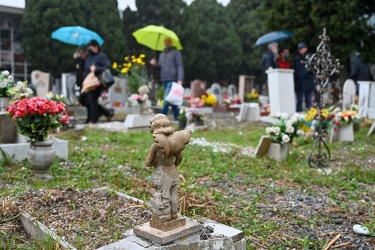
[359, 70]
[269, 58]
[171, 70]
[303, 78]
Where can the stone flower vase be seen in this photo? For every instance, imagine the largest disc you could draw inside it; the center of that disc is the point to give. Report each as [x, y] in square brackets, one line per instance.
[136, 109]
[181, 124]
[41, 155]
[278, 151]
[4, 101]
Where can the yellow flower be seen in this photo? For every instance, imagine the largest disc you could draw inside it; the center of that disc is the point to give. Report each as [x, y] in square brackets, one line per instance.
[310, 115]
[143, 63]
[304, 128]
[114, 65]
[324, 113]
[142, 56]
[132, 57]
[126, 58]
[124, 70]
[134, 60]
[139, 60]
[129, 65]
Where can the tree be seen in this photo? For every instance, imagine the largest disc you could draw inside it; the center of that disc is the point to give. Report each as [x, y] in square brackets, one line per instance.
[246, 19]
[212, 49]
[347, 23]
[42, 17]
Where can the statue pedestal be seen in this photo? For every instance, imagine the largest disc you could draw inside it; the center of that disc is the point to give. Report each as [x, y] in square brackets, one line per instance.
[137, 121]
[158, 236]
[281, 91]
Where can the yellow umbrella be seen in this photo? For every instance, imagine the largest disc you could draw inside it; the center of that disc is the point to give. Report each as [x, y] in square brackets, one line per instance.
[153, 37]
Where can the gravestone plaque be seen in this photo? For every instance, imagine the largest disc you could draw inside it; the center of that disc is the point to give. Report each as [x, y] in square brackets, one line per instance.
[68, 82]
[198, 88]
[348, 94]
[117, 94]
[216, 90]
[40, 81]
[232, 91]
[8, 130]
[187, 92]
[246, 85]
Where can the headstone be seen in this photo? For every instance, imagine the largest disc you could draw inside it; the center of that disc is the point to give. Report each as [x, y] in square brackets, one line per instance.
[349, 91]
[232, 91]
[263, 145]
[68, 83]
[246, 85]
[187, 92]
[216, 90]
[366, 99]
[117, 94]
[133, 121]
[198, 87]
[249, 112]
[40, 81]
[281, 91]
[372, 128]
[8, 129]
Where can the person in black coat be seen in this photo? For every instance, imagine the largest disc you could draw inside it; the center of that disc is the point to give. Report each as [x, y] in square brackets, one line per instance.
[96, 62]
[359, 70]
[269, 58]
[304, 83]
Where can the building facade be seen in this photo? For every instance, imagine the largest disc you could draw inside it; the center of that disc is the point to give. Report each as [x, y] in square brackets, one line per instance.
[11, 53]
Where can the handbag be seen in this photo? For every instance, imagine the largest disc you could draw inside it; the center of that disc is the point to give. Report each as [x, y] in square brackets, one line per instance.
[175, 95]
[90, 82]
[106, 79]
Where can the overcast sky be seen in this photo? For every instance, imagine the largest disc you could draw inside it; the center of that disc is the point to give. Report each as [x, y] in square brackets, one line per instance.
[122, 4]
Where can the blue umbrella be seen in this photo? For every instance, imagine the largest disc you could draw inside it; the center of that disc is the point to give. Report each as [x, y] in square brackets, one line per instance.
[275, 36]
[76, 35]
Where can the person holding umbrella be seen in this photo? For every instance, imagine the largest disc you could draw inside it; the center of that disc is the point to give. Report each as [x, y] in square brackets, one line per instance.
[97, 62]
[171, 70]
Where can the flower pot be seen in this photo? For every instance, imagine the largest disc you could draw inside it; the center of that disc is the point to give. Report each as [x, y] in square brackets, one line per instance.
[199, 122]
[343, 133]
[4, 101]
[181, 125]
[41, 155]
[278, 151]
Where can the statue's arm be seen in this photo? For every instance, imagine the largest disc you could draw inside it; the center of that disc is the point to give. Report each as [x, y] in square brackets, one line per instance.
[151, 155]
[178, 160]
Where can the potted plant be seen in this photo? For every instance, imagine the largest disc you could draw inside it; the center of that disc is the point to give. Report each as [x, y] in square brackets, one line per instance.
[182, 120]
[34, 118]
[194, 116]
[344, 122]
[282, 133]
[6, 83]
[253, 96]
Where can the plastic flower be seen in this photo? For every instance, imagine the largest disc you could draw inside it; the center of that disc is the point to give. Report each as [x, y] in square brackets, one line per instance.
[310, 115]
[209, 99]
[20, 90]
[276, 130]
[285, 138]
[269, 130]
[6, 83]
[289, 129]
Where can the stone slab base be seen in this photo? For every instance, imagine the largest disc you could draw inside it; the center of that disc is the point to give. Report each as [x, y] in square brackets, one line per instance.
[137, 121]
[18, 151]
[165, 223]
[160, 237]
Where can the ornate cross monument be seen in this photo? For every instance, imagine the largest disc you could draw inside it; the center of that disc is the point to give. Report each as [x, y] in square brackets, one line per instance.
[323, 65]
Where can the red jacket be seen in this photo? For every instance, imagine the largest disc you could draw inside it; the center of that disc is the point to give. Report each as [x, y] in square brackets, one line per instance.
[283, 64]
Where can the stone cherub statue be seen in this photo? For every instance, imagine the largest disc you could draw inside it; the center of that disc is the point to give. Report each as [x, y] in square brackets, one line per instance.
[165, 156]
[145, 102]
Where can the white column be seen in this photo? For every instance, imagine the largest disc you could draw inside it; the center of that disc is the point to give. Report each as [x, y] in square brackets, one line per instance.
[281, 91]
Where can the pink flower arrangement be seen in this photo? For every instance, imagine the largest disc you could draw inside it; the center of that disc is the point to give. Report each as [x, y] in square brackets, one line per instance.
[36, 116]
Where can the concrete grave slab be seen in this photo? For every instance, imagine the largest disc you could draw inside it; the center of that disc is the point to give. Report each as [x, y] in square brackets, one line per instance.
[263, 146]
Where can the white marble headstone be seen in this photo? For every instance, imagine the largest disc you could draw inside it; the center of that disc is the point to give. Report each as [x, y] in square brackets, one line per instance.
[68, 83]
[40, 81]
[348, 94]
[232, 91]
[216, 90]
[187, 92]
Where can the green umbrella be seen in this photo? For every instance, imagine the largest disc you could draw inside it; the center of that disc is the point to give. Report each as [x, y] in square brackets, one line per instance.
[153, 37]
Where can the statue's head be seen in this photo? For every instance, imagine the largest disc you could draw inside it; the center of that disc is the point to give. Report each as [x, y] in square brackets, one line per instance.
[143, 90]
[160, 124]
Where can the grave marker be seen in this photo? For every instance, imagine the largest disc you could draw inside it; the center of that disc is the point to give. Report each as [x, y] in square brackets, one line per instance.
[348, 94]
[40, 81]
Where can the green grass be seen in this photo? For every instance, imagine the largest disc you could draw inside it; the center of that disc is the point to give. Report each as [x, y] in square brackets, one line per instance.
[101, 160]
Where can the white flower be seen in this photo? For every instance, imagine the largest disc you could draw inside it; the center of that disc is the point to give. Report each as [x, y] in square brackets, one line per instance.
[276, 130]
[300, 132]
[10, 78]
[286, 138]
[289, 129]
[284, 116]
[289, 123]
[20, 84]
[3, 84]
[5, 73]
[269, 130]
[278, 114]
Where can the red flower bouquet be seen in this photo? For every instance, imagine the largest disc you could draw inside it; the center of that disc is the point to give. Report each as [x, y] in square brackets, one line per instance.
[36, 116]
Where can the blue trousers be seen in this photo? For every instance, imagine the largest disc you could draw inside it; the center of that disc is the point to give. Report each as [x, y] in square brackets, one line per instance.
[167, 88]
[308, 96]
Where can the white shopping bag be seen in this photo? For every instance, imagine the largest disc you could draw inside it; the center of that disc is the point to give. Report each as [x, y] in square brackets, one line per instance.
[176, 95]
